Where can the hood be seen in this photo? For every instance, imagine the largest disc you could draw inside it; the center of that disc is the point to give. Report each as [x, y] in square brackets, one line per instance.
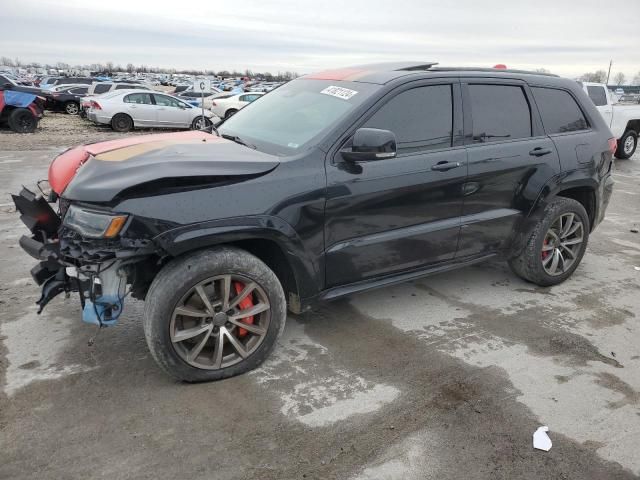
[153, 165]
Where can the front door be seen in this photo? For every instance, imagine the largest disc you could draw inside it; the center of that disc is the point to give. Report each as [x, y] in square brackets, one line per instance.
[172, 112]
[399, 214]
[509, 157]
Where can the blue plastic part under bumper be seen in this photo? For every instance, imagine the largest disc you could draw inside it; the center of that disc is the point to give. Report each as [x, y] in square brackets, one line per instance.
[105, 311]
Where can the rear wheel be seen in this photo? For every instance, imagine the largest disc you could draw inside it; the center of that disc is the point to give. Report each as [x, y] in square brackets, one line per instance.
[627, 145]
[230, 112]
[200, 123]
[121, 122]
[556, 244]
[72, 108]
[21, 120]
[213, 314]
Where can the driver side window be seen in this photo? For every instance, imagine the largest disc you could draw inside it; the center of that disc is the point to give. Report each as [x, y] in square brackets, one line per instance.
[421, 118]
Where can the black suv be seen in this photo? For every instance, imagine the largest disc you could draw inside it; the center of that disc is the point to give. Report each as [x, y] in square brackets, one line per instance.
[332, 184]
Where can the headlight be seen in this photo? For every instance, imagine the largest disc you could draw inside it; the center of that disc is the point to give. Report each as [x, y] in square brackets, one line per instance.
[93, 224]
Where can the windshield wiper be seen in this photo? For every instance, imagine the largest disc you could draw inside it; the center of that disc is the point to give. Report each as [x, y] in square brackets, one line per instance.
[238, 140]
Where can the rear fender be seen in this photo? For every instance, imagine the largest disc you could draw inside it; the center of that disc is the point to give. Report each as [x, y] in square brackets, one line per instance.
[552, 189]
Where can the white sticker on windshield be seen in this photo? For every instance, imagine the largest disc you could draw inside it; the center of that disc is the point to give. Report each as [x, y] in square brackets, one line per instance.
[340, 92]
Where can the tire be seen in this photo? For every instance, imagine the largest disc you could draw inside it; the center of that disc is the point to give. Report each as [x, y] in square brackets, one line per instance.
[231, 112]
[21, 120]
[121, 122]
[72, 108]
[175, 289]
[627, 145]
[196, 121]
[530, 263]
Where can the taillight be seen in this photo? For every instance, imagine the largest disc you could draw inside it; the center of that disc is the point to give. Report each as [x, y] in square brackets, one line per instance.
[613, 145]
[95, 105]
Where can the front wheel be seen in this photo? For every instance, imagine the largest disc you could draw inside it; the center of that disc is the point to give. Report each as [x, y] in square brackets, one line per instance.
[213, 314]
[627, 145]
[556, 244]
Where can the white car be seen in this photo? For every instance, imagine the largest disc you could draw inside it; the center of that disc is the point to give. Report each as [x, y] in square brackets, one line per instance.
[224, 107]
[99, 88]
[624, 120]
[128, 109]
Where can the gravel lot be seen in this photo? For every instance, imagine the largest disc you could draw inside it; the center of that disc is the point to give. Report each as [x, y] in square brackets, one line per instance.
[60, 129]
[443, 378]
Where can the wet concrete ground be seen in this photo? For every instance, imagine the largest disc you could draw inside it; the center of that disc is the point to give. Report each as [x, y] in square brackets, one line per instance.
[444, 378]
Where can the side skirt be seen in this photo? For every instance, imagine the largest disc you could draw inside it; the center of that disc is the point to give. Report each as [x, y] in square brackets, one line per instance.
[341, 291]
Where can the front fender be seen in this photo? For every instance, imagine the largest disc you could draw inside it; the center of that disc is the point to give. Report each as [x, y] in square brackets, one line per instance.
[200, 235]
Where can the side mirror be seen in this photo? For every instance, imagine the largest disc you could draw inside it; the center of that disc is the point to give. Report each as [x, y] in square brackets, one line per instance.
[370, 144]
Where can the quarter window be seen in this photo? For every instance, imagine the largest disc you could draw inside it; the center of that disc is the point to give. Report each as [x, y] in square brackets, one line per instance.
[559, 111]
[598, 95]
[139, 98]
[421, 118]
[500, 112]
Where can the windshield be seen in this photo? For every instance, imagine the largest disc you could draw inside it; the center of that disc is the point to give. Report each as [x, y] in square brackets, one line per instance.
[296, 115]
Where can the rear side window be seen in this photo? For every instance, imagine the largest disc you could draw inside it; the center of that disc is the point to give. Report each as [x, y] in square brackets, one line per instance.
[500, 112]
[101, 88]
[598, 95]
[139, 98]
[421, 118]
[559, 111]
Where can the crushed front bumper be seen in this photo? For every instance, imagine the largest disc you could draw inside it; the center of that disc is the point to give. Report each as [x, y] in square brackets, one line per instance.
[65, 266]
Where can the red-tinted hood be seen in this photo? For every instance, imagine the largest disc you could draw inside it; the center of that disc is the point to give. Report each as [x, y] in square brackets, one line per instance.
[64, 166]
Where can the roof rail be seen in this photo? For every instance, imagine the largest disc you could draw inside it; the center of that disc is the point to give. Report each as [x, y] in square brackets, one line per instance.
[421, 66]
[492, 70]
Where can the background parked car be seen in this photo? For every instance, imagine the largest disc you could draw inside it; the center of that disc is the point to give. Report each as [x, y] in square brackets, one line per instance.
[66, 100]
[99, 88]
[69, 81]
[195, 98]
[225, 107]
[131, 109]
[21, 111]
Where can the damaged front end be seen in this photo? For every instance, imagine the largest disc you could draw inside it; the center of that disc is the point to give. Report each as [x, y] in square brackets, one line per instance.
[80, 250]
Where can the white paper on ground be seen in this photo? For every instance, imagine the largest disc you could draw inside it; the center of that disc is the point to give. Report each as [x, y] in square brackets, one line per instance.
[541, 440]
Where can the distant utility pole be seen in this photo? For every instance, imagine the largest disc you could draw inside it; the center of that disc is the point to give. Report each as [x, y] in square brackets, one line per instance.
[609, 73]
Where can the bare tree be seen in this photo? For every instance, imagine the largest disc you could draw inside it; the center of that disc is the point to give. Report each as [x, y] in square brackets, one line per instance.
[6, 61]
[619, 78]
[542, 70]
[636, 79]
[599, 76]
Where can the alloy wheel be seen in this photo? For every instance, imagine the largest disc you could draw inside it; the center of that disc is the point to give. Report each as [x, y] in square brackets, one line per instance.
[72, 109]
[562, 243]
[220, 321]
[629, 144]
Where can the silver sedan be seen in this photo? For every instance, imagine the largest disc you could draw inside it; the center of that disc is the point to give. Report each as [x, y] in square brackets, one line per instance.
[125, 110]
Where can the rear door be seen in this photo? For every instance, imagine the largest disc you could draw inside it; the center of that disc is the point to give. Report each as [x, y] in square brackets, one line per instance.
[141, 108]
[389, 216]
[507, 150]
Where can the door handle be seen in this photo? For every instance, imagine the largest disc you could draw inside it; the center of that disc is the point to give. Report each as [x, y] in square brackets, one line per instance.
[444, 166]
[539, 152]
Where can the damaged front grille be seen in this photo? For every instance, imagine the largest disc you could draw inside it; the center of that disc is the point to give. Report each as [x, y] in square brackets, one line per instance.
[74, 246]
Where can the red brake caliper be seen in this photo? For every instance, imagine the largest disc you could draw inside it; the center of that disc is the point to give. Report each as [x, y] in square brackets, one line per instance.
[544, 244]
[244, 304]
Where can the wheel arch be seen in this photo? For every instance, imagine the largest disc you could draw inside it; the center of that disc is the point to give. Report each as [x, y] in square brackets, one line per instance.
[270, 239]
[632, 125]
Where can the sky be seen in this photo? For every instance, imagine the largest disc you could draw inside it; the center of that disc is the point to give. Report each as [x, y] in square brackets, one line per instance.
[567, 37]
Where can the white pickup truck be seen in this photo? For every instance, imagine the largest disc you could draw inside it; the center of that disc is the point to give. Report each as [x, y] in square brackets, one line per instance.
[624, 120]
